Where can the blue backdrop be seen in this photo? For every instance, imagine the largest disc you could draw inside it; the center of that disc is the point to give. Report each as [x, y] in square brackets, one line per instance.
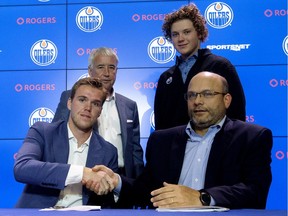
[45, 44]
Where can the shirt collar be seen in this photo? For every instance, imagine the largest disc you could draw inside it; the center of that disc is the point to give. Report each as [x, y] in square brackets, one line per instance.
[190, 130]
[71, 136]
[111, 97]
[179, 59]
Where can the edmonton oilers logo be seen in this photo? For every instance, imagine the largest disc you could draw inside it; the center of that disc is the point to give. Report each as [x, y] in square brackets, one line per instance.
[152, 120]
[83, 76]
[43, 52]
[42, 114]
[285, 45]
[219, 15]
[89, 19]
[161, 50]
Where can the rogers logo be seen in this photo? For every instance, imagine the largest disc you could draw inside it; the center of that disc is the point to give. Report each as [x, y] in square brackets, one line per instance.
[276, 83]
[145, 85]
[270, 13]
[147, 17]
[36, 20]
[82, 51]
[280, 155]
[34, 87]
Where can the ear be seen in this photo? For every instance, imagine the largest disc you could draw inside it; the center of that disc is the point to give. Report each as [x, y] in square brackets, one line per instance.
[69, 103]
[227, 100]
[100, 112]
[89, 72]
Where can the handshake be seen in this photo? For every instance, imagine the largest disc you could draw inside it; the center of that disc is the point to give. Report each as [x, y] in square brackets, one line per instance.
[100, 179]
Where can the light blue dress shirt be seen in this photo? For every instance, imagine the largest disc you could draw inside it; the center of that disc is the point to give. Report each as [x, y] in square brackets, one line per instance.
[196, 157]
[186, 65]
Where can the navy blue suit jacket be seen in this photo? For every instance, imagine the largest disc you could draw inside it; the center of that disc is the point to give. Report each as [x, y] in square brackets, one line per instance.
[130, 130]
[41, 164]
[238, 172]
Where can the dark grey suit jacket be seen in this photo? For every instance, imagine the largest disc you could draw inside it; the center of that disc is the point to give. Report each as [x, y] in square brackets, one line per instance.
[238, 172]
[41, 164]
[130, 130]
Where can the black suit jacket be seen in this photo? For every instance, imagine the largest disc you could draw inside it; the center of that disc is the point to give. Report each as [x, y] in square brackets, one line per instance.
[238, 172]
[170, 107]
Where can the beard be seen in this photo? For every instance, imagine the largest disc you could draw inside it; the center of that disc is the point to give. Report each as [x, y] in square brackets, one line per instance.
[205, 121]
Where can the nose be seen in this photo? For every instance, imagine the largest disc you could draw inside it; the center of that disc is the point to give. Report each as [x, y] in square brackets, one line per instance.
[106, 71]
[180, 37]
[198, 99]
[88, 106]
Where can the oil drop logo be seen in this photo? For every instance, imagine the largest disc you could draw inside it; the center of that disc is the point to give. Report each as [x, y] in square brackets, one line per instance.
[161, 50]
[89, 19]
[42, 114]
[219, 15]
[43, 52]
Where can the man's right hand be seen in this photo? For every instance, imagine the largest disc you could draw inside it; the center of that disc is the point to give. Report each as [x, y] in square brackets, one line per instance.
[97, 181]
[111, 177]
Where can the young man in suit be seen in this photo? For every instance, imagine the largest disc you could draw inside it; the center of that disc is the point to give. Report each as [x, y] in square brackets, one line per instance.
[119, 120]
[55, 159]
[212, 160]
[186, 29]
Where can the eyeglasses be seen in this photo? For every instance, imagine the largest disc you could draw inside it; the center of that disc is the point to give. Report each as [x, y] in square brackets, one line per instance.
[204, 94]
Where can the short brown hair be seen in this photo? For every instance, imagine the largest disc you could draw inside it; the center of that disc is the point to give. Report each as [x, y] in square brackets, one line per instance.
[91, 81]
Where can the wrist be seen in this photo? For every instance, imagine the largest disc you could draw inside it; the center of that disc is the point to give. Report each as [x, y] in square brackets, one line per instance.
[205, 197]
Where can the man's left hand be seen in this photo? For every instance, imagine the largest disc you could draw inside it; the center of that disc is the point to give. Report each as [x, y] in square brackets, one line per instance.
[172, 195]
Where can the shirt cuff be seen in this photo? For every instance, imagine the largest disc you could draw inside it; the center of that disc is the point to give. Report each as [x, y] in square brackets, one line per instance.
[117, 189]
[75, 175]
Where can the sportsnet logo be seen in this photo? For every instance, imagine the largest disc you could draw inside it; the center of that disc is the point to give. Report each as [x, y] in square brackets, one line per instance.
[89, 19]
[219, 15]
[43, 52]
[161, 51]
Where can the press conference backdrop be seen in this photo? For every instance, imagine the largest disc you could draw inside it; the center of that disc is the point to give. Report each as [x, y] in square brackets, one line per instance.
[45, 44]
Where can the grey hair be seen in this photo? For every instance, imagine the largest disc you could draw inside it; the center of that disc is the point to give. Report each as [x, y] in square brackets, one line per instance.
[105, 51]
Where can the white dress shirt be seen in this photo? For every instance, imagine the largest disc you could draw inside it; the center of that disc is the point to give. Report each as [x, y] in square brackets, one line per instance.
[109, 126]
[72, 193]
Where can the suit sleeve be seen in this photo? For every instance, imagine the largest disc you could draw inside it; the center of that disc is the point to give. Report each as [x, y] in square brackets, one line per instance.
[255, 174]
[62, 112]
[159, 118]
[137, 148]
[34, 166]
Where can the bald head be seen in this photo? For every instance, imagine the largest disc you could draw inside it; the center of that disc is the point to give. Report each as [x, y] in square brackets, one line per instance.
[212, 78]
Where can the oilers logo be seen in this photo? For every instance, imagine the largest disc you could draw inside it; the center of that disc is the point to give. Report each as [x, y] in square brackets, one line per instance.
[43, 52]
[41, 114]
[219, 15]
[89, 19]
[285, 45]
[161, 50]
[152, 120]
[83, 76]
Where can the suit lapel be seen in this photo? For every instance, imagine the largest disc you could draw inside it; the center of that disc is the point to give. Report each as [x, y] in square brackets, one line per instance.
[120, 105]
[61, 144]
[221, 142]
[94, 156]
[177, 155]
